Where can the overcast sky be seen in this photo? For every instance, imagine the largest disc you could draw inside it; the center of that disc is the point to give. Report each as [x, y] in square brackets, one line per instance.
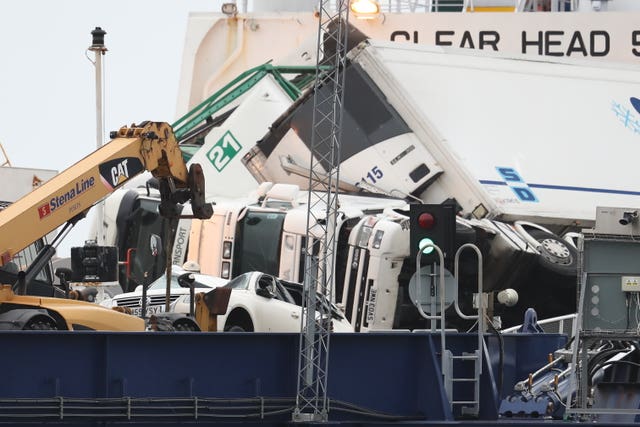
[47, 84]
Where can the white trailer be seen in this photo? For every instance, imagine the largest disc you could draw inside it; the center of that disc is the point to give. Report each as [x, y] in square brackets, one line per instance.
[508, 137]
[516, 137]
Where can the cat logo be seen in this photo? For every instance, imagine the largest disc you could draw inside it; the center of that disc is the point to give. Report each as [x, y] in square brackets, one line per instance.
[119, 173]
[116, 172]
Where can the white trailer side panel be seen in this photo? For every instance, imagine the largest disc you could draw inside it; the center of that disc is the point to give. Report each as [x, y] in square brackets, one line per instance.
[527, 138]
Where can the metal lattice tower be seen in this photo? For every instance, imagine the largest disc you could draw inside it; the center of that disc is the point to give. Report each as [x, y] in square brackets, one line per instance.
[311, 401]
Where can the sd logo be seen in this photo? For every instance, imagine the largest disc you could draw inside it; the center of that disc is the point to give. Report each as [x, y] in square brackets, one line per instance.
[517, 184]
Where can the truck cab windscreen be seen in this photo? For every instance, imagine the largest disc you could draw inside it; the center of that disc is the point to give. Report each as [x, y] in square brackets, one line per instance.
[257, 245]
[368, 118]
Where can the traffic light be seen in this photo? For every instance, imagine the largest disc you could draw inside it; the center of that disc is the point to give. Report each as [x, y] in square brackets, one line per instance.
[434, 224]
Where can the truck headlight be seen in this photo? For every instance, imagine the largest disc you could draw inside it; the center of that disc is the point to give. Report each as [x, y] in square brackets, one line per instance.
[226, 270]
[377, 239]
[226, 250]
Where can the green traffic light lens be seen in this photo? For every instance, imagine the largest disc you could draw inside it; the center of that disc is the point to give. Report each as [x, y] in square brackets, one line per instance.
[424, 242]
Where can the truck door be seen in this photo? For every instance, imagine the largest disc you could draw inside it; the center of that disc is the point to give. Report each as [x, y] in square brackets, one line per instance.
[206, 243]
[139, 224]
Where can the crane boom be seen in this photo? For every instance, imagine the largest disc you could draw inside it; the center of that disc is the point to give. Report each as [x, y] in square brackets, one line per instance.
[150, 146]
[66, 197]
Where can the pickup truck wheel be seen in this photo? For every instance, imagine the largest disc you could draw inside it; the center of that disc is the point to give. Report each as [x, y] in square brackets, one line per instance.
[238, 321]
[555, 254]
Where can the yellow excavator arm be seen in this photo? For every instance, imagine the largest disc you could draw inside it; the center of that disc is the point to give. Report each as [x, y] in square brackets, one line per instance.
[66, 198]
[150, 146]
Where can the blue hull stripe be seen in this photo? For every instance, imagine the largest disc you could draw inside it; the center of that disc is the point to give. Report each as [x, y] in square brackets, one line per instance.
[567, 188]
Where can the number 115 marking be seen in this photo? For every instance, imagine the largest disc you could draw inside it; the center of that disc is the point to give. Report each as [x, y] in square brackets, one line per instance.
[374, 174]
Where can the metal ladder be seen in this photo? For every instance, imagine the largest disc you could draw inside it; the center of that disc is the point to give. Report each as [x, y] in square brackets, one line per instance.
[469, 407]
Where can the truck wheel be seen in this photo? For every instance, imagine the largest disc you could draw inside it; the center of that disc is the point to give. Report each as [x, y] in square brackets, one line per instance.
[185, 327]
[40, 325]
[556, 254]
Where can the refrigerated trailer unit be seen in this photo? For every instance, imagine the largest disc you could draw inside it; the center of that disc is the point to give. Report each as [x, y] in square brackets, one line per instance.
[508, 137]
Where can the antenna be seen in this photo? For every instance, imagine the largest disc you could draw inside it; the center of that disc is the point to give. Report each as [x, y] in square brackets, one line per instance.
[99, 49]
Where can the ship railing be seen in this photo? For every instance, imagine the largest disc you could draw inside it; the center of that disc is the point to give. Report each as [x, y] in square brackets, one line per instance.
[547, 5]
[565, 324]
[428, 6]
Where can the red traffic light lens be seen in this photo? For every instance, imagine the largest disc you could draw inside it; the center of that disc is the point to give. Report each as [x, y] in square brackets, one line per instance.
[426, 221]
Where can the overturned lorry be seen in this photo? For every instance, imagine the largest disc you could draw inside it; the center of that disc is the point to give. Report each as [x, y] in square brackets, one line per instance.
[495, 135]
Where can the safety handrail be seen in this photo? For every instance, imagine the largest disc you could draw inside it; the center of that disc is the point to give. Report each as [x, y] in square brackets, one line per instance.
[455, 274]
[418, 301]
[446, 372]
[481, 306]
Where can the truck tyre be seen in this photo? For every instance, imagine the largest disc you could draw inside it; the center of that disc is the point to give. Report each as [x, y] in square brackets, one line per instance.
[40, 324]
[555, 254]
[185, 327]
